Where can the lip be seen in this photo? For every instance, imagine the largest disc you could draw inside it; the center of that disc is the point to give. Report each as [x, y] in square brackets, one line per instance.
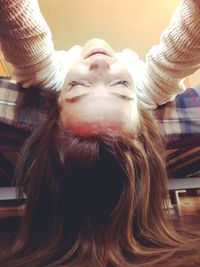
[98, 51]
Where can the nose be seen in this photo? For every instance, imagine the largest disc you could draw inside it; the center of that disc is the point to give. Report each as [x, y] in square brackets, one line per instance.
[99, 62]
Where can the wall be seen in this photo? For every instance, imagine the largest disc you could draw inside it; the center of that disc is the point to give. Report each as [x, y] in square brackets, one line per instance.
[123, 23]
[136, 24]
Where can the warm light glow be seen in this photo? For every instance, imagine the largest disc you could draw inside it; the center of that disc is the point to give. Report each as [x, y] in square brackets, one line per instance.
[123, 23]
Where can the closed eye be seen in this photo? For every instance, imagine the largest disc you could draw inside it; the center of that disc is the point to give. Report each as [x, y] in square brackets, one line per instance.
[120, 82]
[73, 84]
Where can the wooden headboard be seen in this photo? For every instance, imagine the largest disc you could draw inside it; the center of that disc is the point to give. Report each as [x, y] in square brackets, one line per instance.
[3, 71]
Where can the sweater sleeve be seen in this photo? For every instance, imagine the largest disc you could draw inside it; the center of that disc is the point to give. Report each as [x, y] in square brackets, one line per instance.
[177, 56]
[26, 42]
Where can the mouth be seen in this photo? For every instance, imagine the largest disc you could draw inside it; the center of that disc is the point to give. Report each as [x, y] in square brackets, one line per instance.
[98, 51]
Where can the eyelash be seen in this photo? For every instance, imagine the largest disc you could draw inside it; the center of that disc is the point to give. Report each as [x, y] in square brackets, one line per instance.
[123, 82]
[75, 83]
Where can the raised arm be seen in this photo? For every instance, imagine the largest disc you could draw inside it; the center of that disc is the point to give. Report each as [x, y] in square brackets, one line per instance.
[26, 42]
[177, 56]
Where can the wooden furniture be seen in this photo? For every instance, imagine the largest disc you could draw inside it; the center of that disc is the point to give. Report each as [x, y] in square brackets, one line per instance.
[3, 71]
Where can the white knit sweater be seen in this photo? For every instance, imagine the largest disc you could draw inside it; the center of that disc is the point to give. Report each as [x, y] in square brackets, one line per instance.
[26, 42]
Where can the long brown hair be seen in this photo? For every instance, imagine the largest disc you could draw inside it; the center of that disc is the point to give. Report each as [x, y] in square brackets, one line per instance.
[98, 201]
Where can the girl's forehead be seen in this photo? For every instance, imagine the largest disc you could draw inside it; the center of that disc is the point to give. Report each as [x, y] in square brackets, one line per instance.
[100, 113]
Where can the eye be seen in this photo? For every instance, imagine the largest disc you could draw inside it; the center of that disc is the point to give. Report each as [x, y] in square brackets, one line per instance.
[120, 82]
[75, 83]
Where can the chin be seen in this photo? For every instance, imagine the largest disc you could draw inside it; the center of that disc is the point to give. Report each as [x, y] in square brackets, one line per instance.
[96, 43]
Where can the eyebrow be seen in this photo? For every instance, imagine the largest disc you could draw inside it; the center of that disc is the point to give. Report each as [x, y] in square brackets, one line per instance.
[77, 98]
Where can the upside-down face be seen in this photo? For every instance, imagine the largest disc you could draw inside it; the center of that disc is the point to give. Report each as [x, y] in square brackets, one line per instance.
[98, 92]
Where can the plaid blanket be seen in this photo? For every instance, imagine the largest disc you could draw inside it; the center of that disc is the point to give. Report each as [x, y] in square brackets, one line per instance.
[9, 93]
[179, 120]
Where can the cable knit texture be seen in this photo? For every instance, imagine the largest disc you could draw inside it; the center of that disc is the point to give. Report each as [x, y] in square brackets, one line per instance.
[177, 56]
[26, 42]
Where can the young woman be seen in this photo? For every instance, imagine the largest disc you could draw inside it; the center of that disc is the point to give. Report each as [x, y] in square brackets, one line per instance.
[94, 173]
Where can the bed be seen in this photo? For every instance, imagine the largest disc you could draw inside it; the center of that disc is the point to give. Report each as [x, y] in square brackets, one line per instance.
[179, 122]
